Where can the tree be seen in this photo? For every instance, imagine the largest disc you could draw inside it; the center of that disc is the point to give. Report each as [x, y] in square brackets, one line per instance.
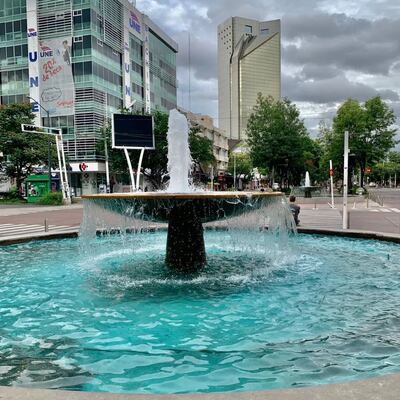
[277, 139]
[201, 149]
[370, 132]
[155, 161]
[23, 151]
[241, 164]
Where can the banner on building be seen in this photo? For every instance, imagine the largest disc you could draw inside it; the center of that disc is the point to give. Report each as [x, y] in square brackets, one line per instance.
[133, 21]
[33, 66]
[57, 92]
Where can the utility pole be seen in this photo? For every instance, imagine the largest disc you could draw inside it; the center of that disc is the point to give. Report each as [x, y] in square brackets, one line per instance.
[345, 179]
[234, 170]
[331, 176]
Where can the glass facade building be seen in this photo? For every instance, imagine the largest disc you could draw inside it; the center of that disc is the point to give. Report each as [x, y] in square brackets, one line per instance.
[82, 60]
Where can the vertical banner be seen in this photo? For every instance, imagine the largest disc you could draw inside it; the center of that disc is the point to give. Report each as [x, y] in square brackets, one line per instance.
[57, 91]
[33, 61]
[132, 26]
[127, 63]
[147, 69]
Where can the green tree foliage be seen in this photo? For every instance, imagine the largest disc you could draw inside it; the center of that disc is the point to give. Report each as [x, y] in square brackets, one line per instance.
[23, 151]
[154, 162]
[394, 157]
[370, 133]
[244, 166]
[201, 149]
[384, 172]
[279, 141]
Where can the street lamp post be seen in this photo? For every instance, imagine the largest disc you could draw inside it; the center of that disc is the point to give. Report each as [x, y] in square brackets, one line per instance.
[48, 139]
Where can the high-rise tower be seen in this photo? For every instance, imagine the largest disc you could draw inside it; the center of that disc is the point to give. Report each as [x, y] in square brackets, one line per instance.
[249, 62]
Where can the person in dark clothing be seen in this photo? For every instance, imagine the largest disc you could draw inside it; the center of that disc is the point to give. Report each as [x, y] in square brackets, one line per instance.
[295, 209]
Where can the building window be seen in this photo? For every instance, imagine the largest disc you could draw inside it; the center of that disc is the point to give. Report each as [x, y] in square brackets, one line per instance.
[264, 31]
[248, 29]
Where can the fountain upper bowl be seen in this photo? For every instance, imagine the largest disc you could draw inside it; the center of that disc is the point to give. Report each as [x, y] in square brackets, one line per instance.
[208, 206]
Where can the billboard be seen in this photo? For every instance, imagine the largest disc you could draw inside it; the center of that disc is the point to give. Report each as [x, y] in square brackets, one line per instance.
[57, 92]
[132, 131]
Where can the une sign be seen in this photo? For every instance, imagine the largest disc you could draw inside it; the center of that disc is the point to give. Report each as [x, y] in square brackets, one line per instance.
[134, 22]
[31, 32]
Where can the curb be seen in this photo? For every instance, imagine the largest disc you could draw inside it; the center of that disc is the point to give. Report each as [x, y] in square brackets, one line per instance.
[380, 388]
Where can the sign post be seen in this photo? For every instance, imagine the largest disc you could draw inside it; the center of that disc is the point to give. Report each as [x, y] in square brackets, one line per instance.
[60, 155]
[345, 180]
[331, 176]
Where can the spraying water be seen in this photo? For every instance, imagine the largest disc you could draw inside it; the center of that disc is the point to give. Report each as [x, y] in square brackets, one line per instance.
[179, 158]
[307, 182]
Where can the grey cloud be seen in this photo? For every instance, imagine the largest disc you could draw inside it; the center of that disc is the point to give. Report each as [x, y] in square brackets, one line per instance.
[343, 42]
[203, 55]
[312, 71]
[325, 26]
[388, 94]
[333, 90]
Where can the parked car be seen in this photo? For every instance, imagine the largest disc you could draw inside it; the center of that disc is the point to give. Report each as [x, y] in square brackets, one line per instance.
[275, 186]
[372, 184]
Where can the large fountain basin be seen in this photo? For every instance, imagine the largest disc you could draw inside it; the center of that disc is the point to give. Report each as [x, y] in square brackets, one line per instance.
[114, 319]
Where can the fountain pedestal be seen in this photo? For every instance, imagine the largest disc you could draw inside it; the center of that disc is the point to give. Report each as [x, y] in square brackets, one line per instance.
[186, 251]
[185, 213]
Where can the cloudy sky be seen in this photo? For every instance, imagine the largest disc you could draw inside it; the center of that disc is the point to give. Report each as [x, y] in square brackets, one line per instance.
[330, 50]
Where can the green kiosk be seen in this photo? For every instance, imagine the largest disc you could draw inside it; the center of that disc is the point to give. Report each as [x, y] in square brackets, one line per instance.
[36, 187]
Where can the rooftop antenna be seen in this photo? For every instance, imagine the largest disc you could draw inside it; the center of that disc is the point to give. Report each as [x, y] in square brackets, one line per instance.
[190, 105]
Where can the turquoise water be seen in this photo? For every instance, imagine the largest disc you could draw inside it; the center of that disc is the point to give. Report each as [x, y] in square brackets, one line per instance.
[114, 319]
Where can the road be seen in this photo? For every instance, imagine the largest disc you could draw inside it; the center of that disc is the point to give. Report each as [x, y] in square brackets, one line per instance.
[385, 218]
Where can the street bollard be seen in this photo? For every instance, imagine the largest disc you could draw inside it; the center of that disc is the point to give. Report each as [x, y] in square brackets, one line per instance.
[46, 225]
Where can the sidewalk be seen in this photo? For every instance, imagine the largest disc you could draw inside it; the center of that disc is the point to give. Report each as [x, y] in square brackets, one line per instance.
[10, 210]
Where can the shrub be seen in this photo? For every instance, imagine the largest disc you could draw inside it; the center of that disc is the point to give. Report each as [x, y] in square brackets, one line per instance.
[13, 194]
[51, 199]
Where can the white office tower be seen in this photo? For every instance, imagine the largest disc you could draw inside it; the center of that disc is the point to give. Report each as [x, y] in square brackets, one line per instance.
[249, 62]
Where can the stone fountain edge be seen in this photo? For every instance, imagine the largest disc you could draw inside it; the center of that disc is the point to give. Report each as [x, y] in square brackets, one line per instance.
[382, 388]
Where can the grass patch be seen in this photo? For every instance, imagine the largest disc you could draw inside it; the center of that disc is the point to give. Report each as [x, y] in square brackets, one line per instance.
[6, 201]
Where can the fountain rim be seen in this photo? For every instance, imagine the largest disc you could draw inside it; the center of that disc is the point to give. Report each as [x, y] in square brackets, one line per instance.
[181, 196]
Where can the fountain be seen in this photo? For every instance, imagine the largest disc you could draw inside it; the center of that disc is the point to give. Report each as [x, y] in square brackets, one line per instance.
[307, 190]
[184, 209]
[307, 186]
[268, 310]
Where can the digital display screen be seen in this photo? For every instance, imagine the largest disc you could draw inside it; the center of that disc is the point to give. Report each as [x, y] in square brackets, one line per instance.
[133, 131]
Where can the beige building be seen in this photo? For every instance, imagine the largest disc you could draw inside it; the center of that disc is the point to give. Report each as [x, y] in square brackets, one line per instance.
[207, 129]
[249, 62]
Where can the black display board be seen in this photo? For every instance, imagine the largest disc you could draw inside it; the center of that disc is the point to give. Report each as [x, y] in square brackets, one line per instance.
[132, 131]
